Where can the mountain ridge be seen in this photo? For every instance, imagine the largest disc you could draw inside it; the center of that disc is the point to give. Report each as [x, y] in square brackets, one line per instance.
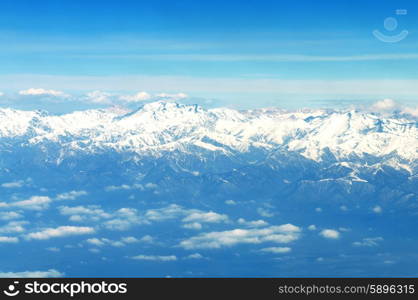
[161, 127]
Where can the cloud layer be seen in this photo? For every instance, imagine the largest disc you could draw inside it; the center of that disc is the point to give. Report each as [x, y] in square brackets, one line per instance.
[51, 273]
[275, 234]
[61, 231]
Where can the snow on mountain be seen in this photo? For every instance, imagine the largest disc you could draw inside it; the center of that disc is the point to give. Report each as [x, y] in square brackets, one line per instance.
[163, 126]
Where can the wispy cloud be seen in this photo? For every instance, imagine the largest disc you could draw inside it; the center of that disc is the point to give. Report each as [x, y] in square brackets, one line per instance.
[8, 239]
[13, 227]
[368, 242]
[276, 250]
[13, 184]
[276, 234]
[256, 223]
[162, 258]
[72, 195]
[259, 57]
[32, 274]
[104, 241]
[325, 89]
[390, 106]
[33, 203]
[206, 217]
[138, 97]
[125, 218]
[9, 215]
[330, 234]
[42, 92]
[61, 231]
[99, 242]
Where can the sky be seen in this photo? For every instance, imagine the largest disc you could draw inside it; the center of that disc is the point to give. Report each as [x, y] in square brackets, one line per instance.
[234, 53]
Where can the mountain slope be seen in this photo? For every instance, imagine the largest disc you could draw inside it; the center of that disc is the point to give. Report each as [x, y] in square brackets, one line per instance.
[166, 127]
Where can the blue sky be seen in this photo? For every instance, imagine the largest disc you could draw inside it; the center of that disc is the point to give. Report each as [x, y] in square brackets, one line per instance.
[241, 53]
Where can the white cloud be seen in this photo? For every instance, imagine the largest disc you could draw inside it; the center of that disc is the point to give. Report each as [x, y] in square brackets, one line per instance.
[388, 106]
[368, 242]
[144, 96]
[138, 97]
[277, 234]
[9, 215]
[95, 241]
[98, 97]
[277, 250]
[13, 227]
[121, 224]
[113, 243]
[81, 210]
[377, 209]
[61, 231]
[273, 57]
[99, 242]
[330, 234]
[194, 226]
[84, 213]
[124, 219]
[163, 258]
[264, 212]
[118, 187]
[33, 203]
[257, 223]
[193, 217]
[72, 195]
[343, 208]
[312, 227]
[130, 239]
[124, 187]
[8, 239]
[173, 97]
[166, 213]
[53, 249]
[413, 111]
[344, 229]
[42, 92]
[51, 273]
[326, 89]
[116, 243]
[151, 185]
[205, 217]
[230, 202]
[195, 256]
[147, 239]
[384, 105]
[13, 184]
[76, 218]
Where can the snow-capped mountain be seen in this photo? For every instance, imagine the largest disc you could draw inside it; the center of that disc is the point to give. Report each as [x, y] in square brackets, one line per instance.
[161, 127]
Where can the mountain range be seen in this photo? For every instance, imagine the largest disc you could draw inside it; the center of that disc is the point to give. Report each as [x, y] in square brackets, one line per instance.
[347, 179]
[351, 151]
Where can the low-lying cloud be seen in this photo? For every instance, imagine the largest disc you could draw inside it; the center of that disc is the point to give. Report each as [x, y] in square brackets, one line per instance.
[61, 231]
[213, 240]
